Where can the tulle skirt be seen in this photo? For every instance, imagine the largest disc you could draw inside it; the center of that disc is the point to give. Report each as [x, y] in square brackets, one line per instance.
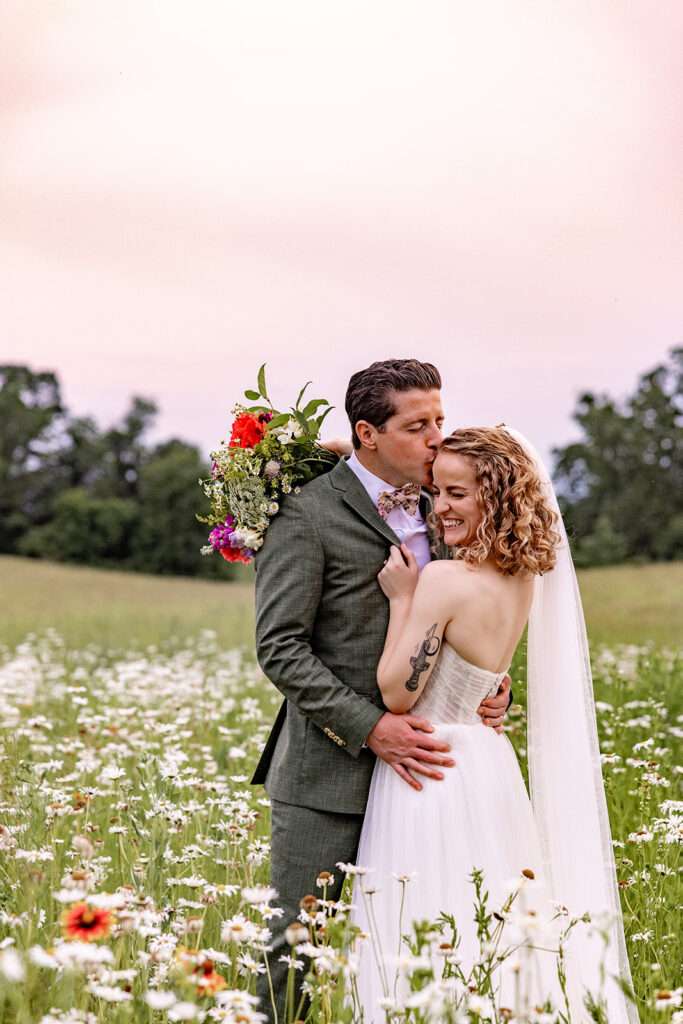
[478, 817]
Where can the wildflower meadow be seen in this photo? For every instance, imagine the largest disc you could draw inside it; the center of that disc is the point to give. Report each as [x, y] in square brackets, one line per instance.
[134, 852]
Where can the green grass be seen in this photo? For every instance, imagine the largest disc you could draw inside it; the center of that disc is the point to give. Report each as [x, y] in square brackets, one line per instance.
[625, 604]
[634, 604]
[119, 610]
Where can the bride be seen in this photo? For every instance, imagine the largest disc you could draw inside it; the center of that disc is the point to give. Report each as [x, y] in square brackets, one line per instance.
[451, 637]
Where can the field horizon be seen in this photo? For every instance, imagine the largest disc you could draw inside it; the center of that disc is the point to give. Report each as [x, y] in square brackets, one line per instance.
[622, 604]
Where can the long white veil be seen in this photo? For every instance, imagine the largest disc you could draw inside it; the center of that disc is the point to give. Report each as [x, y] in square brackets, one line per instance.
[565, 775]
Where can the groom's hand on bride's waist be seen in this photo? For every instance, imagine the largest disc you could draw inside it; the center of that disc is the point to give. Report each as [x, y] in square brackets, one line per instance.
[403, 741]
[492, 710]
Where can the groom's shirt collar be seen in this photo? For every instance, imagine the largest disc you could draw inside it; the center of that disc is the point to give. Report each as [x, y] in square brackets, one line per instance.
[374, 485]
[411, 529]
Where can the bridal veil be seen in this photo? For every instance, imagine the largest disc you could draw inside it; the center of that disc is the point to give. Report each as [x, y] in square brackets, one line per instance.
[565, 774]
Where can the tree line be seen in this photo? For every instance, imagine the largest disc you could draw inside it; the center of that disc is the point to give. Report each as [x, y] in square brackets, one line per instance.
[73, 492]
[621, 484]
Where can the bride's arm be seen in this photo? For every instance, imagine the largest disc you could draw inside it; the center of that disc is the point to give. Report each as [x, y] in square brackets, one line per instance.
[341, 446]
[417, 619]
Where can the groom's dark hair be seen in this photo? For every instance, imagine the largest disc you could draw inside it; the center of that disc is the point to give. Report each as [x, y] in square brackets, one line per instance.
[370, 394]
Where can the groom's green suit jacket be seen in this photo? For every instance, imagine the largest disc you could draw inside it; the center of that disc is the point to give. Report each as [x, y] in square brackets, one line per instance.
[321, 621]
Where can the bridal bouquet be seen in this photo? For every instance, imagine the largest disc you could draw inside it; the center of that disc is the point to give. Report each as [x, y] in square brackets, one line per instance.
[269, 454]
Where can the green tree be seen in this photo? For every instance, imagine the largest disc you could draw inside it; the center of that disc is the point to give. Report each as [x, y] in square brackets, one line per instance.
[604, 546]
[85, 529]
[124, 452]
[73, 493]
[168, 538]
[81, 454]
[622, 483]
[30, 413]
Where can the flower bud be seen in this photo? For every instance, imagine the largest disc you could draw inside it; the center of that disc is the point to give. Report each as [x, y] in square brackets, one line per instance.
[309, 904]
[192, 925]
[296, 933]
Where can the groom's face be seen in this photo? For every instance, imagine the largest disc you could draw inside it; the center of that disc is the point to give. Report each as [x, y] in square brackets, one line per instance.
[407, 446]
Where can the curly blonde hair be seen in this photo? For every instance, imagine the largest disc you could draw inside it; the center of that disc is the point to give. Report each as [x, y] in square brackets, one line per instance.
[517, 525]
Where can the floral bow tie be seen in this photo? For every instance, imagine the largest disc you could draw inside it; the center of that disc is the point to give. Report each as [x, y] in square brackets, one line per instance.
[406, 497]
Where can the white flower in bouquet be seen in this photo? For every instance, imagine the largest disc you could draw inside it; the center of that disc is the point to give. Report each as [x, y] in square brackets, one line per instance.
[288, 432]
[249, 538]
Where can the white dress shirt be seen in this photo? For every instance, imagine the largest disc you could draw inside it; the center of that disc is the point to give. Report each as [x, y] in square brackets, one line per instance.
[412, 530]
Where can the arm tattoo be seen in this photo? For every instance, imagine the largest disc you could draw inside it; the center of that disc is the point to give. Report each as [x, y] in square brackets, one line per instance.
[429, 647]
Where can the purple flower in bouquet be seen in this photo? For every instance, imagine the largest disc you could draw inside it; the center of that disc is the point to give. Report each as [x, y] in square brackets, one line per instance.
[232, 547]
[220, 536]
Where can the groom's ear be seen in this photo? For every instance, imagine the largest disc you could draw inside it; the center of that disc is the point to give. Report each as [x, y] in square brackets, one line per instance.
[366, 434]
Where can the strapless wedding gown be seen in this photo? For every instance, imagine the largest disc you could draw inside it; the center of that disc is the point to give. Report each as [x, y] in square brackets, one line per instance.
[479, 816]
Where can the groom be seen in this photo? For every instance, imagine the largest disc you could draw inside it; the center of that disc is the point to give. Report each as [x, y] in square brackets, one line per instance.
[321, 621]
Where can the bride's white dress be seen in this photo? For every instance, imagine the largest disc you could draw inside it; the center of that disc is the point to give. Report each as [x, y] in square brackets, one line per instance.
[478, 816]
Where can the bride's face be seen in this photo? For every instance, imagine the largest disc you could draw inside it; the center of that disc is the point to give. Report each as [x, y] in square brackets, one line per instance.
[455, 498]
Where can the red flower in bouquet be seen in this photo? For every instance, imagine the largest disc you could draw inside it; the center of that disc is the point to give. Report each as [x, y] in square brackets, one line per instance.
[234, 555]
[247, 430]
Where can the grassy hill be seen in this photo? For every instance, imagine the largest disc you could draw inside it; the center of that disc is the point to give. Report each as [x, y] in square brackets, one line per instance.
[118, 609]
[625, 604]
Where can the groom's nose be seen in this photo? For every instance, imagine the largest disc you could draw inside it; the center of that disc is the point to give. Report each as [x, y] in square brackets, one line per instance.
[435, 437]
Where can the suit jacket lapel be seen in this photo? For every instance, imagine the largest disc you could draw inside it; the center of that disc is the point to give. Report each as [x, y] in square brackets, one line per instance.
[358, 499]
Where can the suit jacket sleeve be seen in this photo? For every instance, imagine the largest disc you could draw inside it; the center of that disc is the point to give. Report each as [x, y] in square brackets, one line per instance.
[289, 584]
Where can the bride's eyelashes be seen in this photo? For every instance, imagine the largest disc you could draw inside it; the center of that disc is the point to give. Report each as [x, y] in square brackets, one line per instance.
[449, 493]
[457, 495]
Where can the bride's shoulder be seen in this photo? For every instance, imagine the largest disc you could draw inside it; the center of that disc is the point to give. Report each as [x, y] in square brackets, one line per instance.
[448, 573]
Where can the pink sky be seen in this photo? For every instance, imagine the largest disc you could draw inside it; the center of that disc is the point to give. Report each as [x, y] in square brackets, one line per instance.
[188, 190]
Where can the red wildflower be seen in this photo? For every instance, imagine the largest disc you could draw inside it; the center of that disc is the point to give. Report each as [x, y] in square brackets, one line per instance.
[247, 431]
[85, 923]
[210, 982]
[234, 555]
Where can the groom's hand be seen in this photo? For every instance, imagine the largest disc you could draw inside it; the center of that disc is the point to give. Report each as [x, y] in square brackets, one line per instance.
[492, 710]
[402, 741]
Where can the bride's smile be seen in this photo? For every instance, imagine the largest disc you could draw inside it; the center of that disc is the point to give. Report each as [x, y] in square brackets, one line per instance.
[455, 498]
